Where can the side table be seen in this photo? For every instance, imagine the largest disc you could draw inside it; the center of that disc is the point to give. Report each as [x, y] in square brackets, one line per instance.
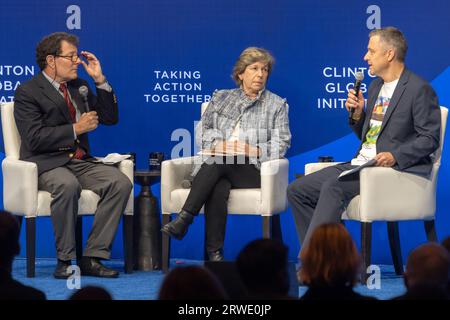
[147, 223]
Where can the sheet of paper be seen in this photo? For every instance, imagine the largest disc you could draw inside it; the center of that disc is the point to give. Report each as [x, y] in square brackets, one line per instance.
[369, 163]
[113, 158]
[208, 152]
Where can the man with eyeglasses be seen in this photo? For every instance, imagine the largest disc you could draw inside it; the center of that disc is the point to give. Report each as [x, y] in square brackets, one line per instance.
[53, 124]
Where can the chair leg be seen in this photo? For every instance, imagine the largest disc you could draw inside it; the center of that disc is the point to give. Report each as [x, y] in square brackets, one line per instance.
[31, 246]
[366, 248]
[266, 227]
[20, 221]
[128, 243]
[165, 245]
[394, 243]
[79, 239]
[276, 227]
[430, 230]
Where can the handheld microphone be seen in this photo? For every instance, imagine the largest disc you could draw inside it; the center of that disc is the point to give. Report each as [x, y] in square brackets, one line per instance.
[359, 77]
[83, 90]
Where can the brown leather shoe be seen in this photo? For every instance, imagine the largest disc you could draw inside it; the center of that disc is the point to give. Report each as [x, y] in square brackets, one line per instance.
[62, 270]
[92, 267]
[216, 255]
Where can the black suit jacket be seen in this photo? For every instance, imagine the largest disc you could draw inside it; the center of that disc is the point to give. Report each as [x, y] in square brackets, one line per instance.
[11, 289]
[411, 125]
[43, 120]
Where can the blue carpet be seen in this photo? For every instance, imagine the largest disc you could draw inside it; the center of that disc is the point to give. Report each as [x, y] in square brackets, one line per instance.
[142, 285]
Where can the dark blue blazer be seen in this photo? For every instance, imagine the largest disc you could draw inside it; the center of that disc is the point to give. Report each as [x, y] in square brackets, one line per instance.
[43, 120]
[411, 126]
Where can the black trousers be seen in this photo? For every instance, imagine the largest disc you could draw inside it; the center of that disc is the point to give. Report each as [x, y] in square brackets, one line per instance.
[211, 187]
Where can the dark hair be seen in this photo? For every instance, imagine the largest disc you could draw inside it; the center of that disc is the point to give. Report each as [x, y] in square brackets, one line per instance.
[428, 266]
[9, 238]
[394, 38]
[262, 265]
[446, 243]
[91, 293]
[191, 283]
[51, 45]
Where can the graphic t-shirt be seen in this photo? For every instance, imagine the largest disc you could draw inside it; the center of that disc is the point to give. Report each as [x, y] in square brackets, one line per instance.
[369, 147]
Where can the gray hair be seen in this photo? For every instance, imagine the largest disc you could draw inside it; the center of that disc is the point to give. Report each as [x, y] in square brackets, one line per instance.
[394, 38]
[248, 57]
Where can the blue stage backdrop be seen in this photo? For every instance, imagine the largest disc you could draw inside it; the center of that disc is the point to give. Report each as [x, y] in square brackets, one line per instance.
[164, 58]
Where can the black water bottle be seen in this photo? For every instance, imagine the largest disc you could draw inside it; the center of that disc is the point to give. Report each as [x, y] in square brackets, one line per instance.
[154, 161]
[326, 159]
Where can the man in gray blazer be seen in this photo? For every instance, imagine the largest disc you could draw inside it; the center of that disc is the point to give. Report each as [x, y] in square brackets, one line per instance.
[53, 122]
[400, 128]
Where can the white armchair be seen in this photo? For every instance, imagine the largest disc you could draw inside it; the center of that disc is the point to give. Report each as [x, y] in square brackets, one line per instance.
[22, 197]
[268, 201]
[390, 195]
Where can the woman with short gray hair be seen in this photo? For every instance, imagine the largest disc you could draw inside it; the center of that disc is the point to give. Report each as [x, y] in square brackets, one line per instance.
[240, 129]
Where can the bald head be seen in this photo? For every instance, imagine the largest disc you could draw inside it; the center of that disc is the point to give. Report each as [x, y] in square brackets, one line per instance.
[428, 266]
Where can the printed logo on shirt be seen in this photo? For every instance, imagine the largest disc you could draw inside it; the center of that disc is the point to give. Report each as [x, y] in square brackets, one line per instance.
[378, 113]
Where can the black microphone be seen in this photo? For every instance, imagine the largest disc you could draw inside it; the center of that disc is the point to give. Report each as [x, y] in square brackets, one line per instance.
[359, 77]
[83, 90]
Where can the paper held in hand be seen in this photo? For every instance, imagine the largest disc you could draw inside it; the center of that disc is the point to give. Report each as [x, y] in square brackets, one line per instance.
[357, 169]
[231, 148]
[209, 152]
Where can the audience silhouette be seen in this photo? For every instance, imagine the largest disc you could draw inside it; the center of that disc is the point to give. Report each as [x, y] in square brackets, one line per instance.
[330, 265]
[426, 275]
[11, 289]
[91, 293]
[191, 283]
[263, 267]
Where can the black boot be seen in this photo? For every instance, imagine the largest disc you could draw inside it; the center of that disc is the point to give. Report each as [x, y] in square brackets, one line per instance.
[178, 227]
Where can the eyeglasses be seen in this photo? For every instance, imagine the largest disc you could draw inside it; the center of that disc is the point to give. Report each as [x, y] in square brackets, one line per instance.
[73, 58]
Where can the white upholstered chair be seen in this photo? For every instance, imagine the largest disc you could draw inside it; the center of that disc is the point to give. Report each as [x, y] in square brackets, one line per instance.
[268, 201]
[22, 197]
[390, 195]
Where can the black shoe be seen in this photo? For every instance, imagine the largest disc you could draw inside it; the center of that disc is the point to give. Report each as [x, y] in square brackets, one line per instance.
[215, 255]
[92, 267]
[62, 269]
[178, 227]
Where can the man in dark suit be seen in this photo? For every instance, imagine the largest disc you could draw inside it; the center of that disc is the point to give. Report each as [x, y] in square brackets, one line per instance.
[400, 128]
[53, 122]
[11, 289]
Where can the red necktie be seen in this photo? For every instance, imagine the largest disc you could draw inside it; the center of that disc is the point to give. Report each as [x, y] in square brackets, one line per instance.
[79, 153]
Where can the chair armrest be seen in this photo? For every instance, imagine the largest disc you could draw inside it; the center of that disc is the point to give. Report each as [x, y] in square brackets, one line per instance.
[173, 172]
[316, 166]
[127, 168]
[274, 182]
[20, 186]
[385, 191]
